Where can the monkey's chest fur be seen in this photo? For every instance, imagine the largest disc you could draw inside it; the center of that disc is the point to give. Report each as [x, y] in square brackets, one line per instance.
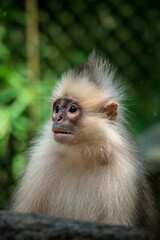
[93, 194]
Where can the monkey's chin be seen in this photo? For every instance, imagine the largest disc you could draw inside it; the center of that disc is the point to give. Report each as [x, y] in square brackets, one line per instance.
[65, 138]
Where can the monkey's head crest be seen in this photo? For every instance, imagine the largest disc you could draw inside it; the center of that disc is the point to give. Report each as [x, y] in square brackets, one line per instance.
[88, 91]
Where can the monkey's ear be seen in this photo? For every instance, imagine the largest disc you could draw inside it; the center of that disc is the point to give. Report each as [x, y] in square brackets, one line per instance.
[111, 110]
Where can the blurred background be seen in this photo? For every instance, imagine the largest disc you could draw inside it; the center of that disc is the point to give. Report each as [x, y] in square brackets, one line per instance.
[39, 40]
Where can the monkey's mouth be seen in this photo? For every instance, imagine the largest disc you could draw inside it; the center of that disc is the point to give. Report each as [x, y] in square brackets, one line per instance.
[62, 132]
[63, 135]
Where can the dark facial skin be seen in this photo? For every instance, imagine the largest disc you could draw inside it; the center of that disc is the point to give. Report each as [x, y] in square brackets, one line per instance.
[66, 116]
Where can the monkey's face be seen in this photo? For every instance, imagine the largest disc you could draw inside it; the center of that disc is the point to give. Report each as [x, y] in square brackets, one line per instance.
[66, 117]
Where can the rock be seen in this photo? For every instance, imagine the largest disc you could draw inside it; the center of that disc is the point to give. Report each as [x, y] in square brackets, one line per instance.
[24, 226]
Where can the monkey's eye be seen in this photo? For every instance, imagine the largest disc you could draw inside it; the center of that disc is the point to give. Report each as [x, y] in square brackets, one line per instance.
[57, 108]
[73, 109]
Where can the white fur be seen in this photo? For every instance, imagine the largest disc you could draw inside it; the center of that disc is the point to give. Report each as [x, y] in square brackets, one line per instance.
[63, 181]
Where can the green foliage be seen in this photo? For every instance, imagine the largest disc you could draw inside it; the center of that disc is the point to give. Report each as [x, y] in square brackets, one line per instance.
[17, 127]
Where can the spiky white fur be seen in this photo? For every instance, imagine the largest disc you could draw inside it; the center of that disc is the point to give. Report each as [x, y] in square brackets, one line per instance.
[96, 179]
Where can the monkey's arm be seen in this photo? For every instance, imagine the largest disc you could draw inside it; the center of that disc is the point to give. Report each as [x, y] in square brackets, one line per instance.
[145, 207]
[32, 192]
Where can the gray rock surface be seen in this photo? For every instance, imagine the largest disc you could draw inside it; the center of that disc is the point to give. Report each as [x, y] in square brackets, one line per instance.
[18, 226]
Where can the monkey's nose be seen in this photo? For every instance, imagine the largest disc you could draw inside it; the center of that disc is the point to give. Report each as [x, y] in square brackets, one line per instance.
[59, 118]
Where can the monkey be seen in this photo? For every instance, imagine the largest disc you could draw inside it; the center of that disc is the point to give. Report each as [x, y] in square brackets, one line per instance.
[86, 165]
